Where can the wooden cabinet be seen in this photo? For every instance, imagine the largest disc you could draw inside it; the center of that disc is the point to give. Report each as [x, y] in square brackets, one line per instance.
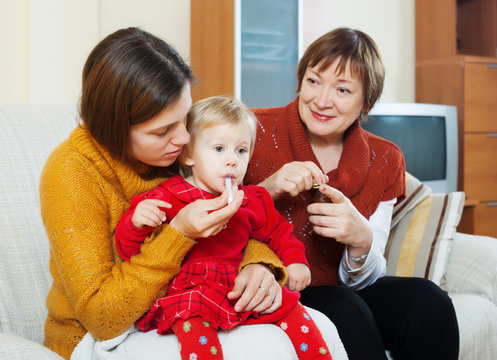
[480, 166]
[480, 96]
[456, 64]
[212, 53]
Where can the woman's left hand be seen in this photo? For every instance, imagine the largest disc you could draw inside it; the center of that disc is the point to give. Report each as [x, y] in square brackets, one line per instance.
[256, 289]
[342, 221]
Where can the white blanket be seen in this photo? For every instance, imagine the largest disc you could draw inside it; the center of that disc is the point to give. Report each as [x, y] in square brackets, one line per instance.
[247, 342]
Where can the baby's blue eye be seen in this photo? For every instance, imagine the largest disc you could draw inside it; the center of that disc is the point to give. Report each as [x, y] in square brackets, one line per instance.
[218, 148]
[241, 151]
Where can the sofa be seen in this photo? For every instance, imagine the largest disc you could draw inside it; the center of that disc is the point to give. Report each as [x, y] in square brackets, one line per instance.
[423, 242]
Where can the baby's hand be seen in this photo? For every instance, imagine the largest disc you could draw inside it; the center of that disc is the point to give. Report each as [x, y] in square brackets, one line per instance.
[299, 276]
[148, 213]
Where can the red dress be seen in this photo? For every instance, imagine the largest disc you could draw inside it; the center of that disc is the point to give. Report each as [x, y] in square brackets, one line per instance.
[210, 268]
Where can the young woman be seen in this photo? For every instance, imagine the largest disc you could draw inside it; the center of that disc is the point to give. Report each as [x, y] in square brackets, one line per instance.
[134, 102]
[340, 78]
[197, 302]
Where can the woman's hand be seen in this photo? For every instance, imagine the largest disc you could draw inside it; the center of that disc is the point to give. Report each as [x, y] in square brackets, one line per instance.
[293, 178]
[341, 220]
[204, 218]
[256, 289]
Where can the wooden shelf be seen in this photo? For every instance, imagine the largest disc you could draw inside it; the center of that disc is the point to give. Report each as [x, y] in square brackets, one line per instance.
[477, 27]
[446, 28]
[456, 64]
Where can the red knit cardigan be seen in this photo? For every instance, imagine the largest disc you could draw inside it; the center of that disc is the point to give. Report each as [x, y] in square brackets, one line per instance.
[370, 170]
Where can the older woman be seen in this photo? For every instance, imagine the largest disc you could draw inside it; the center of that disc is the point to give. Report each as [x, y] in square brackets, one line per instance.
[136, 94]
[318, 137]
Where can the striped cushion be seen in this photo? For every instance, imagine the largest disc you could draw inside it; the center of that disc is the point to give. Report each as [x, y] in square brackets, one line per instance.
[415, 192]
[422, 229]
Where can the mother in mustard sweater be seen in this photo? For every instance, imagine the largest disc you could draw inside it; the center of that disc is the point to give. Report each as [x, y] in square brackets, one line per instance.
[134, 101]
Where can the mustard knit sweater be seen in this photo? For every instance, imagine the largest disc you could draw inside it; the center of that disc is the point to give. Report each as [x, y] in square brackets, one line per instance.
[83, 193]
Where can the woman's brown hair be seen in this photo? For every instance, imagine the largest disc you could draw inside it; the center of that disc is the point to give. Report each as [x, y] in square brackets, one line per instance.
[128, 78]
[348, 45]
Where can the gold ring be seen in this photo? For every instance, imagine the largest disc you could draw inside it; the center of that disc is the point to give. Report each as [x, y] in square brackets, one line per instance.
[266, 291]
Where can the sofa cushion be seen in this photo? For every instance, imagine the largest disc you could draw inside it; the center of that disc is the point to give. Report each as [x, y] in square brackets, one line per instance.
[476, 317]
[14, 347]
[248, 342]
[415, 192]
[473, 266]
[423, 227]
[28, 134]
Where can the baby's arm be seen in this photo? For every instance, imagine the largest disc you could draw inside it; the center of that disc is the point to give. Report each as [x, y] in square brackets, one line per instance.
[138, 223]
[277, 232]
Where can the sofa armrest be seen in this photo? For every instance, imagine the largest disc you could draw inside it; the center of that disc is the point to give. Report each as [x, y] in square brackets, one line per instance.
[14, 347]
[472, 266]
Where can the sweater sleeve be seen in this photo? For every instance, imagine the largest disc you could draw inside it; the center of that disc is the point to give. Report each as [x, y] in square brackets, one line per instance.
[90, 285]
[257, 252]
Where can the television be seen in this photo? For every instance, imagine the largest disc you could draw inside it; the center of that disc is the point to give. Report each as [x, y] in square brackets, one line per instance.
[427, 135]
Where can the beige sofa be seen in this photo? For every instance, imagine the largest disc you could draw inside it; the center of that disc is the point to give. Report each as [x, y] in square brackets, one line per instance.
[465, 265]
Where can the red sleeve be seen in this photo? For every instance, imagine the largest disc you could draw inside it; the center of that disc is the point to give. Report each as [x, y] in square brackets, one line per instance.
[128, 237]
[275, 230]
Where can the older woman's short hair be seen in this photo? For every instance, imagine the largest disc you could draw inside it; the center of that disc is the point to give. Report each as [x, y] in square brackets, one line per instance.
[352, 47]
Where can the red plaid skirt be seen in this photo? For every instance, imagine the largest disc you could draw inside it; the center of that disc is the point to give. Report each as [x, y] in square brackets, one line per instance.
[200, 289]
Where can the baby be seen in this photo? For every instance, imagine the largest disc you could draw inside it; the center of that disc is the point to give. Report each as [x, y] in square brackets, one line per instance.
[196, 304]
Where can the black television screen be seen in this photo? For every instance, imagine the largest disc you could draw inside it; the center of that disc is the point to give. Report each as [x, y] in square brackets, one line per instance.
[421, 138]
[428, 136]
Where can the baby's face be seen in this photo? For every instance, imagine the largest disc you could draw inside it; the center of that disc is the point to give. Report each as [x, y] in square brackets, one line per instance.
[219, 151]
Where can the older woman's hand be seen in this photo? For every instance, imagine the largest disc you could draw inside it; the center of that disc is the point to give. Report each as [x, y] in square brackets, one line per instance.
[256, 289]
[204, 218]
[341, 220]
[293, 178]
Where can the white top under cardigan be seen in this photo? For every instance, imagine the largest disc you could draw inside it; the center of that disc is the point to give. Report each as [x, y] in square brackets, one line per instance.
[375, 265]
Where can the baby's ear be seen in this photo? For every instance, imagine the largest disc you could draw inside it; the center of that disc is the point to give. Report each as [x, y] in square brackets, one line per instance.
[185, 158]
[188, 161]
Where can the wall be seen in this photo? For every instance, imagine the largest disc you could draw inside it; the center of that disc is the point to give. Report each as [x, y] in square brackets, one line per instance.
[45, 42]
[13, 62]
[391, 24]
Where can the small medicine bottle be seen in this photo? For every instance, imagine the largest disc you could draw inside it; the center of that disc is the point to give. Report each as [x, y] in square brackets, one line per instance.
[317, 196]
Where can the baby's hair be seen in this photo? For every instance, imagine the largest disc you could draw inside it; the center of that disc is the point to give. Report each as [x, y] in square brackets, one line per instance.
[212, 111]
